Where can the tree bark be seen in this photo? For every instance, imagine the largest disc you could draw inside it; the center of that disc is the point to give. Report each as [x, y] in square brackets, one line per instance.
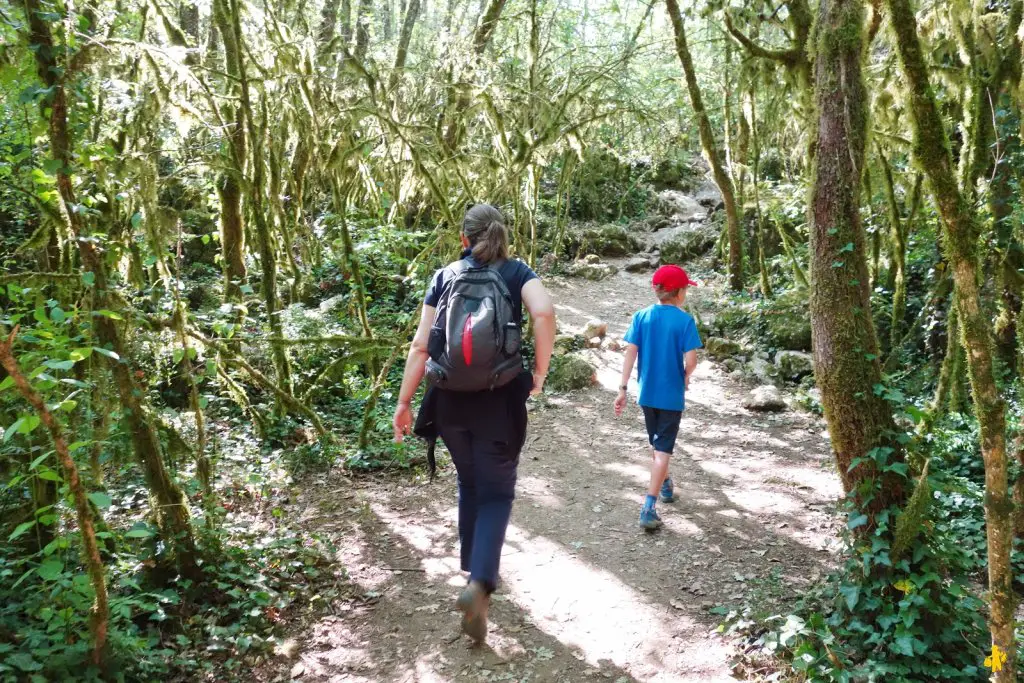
[933, 155]
[846, 362]
[711, 151]
[100, 617]
[404, 38]
[456, 114]
[229, 184]
[755, 139]
[364, 16]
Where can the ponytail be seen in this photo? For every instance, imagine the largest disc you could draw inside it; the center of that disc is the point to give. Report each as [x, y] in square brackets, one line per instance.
[484, 227]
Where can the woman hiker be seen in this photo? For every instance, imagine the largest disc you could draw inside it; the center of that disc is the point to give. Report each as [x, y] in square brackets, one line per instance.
[468, 344]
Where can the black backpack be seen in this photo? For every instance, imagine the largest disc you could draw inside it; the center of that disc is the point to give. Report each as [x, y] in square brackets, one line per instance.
[475, 340]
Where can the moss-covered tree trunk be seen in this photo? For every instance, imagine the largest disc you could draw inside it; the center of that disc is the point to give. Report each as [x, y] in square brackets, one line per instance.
[170, 507]
[898, 253]
[933, 155]
[755, 140]
[229, 184]
[711, 151]
[846, 362]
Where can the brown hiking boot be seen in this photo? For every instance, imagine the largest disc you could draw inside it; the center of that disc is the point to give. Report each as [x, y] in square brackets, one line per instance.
[473, 603]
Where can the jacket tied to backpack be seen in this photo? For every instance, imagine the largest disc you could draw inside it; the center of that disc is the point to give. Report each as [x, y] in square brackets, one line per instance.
[475, 341]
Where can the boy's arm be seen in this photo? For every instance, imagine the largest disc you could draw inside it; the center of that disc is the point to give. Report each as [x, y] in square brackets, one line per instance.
[690, 363]
[628, 361]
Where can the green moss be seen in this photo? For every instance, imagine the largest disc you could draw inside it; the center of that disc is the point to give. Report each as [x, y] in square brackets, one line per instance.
[569, 372]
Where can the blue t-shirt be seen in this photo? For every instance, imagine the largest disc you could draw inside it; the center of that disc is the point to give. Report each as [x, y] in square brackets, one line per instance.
[663, 334]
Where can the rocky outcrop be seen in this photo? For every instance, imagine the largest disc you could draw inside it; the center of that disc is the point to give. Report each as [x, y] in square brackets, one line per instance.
[765, 399]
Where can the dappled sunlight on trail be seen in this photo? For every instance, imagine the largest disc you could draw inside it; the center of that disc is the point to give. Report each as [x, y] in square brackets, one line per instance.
[584, 594]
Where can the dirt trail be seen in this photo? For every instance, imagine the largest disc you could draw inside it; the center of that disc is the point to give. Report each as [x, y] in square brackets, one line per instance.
[586, 595]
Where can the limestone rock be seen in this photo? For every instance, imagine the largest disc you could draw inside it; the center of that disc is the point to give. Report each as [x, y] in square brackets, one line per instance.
[592, 259]
[594, 343]
[570, 372]
[328, 305]
[720, 349]
[592, 271]
[687, 243]
[765, 399]
[682, 207]
[608, 240]
[567, 343]
[639, 264]
[762, 370]
[794, 365]
[595, 328]
[708, 195]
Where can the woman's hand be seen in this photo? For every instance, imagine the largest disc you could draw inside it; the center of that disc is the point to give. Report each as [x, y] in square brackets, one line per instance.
[402, 421]
[538, 383]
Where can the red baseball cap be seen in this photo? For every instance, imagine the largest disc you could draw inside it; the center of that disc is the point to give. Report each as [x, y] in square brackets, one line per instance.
[671, 278]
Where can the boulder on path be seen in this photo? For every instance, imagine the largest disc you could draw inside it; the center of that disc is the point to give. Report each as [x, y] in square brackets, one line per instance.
[681, 207]
[687, 242]
[567, 343]
[595, 328]
[608, 240]
[794, 365]
[762, 370]
[570, 372]
[639, 264]
[592, 271]
[708, 195]
[720, 349]
[765, 399]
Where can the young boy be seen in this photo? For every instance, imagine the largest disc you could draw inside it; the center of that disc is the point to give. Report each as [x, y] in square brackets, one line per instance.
[664, 338]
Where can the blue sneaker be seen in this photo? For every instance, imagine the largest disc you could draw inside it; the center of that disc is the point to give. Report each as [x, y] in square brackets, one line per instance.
[667, 491]
[649, 519]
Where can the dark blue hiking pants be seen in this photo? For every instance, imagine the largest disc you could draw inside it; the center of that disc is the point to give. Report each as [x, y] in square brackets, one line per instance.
[487, 483]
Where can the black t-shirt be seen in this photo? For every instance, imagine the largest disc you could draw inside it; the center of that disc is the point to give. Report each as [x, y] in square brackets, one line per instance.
[498, 414]
[514, 272]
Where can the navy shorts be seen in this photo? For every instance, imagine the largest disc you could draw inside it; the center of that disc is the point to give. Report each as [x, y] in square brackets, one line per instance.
[662, 428]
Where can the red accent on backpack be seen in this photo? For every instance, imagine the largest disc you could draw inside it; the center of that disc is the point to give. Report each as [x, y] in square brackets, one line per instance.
[467, 341]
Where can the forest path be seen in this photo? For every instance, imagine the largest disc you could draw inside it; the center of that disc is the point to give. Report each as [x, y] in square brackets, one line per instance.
[586, 595]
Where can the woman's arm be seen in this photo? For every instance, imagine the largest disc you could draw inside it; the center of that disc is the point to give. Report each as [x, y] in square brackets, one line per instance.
[415, 366]
[542, 312]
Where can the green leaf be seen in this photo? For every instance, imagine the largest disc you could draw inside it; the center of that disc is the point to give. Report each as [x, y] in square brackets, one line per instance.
[848, 247]
[100, 500]
[49, 475]
[38, 461]
[21, 529]
[108, 354]
[59, 364]
[57, 314]
[51, 569]
[24, 662]
[177, 355]
[136, 219]
[68, 405]
[28, 424]
[140, 532]
[7, 383]
[857, 521]
[904, 645]
[852, 595]
[89, 278]
[108, 314]
[80, 354]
